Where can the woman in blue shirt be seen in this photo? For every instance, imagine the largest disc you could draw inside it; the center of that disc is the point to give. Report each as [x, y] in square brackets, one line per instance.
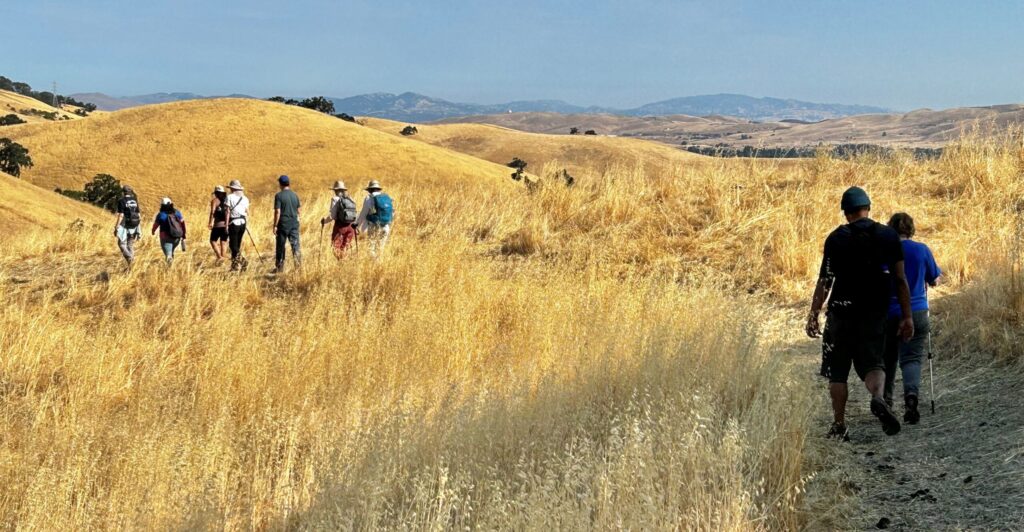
[922, 272]
[171, 224]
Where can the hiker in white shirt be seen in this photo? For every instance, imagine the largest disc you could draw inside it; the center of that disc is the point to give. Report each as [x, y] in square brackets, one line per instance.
[376, 217]
[238, 216]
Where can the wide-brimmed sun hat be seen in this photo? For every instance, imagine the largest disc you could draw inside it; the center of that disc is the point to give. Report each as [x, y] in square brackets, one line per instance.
[235, 185]
[165, 201]
[339, 185]
[374, 185]
[218, 188]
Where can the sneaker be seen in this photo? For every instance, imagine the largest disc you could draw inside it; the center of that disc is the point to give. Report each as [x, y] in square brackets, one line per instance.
[838, 431]
[910, 415]
[890, 425]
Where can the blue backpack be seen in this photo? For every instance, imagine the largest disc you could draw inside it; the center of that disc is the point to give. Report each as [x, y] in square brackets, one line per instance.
[384, 210]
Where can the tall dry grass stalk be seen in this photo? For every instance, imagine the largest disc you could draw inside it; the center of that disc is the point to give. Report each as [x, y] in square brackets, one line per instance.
[562, 358]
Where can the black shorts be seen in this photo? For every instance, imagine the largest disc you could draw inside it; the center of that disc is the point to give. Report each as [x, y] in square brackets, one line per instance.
[852, 341]
[219, 234]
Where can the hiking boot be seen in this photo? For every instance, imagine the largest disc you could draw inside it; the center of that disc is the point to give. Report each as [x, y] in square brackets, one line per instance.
[890, 425]
[839, 432]
[910, 415]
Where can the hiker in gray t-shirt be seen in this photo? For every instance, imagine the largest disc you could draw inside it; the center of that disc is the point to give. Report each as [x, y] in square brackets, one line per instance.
[286, 222]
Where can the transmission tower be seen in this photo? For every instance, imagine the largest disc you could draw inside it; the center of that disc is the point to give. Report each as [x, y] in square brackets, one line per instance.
[56, 100]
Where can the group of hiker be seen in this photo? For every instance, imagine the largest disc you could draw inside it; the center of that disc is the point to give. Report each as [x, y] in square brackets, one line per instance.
[875, 278]
[229, 218]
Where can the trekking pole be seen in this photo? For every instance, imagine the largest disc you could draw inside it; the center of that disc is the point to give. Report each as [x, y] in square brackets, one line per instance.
[254, 246]
[931, 368]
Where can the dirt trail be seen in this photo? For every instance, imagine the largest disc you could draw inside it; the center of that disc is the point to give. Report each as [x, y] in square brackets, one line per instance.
[961, 468]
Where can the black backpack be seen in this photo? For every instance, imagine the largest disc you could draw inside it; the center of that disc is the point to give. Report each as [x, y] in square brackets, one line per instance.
[132, 215]
[347, 210]
[220, 213]
[175, 229]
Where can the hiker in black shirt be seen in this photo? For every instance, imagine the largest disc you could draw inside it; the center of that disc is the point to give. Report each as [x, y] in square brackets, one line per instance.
[861, 265]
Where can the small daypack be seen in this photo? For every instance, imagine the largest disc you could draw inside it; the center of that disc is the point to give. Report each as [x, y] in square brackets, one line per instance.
[347, 212]
[220, 213]
[384, 210]
[175, 229]
[132, 215]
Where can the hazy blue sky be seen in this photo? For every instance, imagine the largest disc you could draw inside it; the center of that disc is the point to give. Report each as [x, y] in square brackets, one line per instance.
[899, 54]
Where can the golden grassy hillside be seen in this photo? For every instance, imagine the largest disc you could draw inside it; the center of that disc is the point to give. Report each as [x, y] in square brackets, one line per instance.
[612, 355]
[183, 149]
[14, 103]
[24, 206]
[581, 155]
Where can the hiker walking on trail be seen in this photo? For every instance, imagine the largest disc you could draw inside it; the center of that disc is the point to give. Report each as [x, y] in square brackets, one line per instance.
[922, 272]
[128, 225]
[376, 217]
[238, 218]
[343, 213]
[218, 223]
[861, 263]
[171, 224]
[286, 222]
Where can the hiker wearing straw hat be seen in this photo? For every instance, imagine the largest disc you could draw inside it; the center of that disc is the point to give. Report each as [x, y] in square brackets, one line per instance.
[862, 262]
[218, 223]
[376, 216]
[344, 214]
[286, 223]
[238, 217]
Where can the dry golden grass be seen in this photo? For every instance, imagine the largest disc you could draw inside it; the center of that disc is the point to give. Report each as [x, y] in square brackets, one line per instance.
[183, 149]
[25, 207]
[582, 155]
[583, 357]
[14, 103]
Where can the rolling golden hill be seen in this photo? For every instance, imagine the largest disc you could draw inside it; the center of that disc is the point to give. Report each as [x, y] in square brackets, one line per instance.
[26, 206]
[23, 106]
[183, 149]
[581, 155]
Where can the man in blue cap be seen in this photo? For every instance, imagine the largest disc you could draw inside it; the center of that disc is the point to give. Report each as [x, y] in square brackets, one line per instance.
[286, 222]
[862, 264]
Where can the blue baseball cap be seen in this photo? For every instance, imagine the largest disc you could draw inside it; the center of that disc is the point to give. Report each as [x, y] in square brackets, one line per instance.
[855, 198]
[283, 180]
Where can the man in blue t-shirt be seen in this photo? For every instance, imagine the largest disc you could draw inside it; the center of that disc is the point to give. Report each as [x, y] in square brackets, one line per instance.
[922, 272]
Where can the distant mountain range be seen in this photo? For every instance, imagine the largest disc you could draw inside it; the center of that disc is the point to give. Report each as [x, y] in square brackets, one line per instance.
[413, 107]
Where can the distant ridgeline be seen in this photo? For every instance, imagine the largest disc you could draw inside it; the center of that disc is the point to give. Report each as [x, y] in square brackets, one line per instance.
[842, 151]
[43, 96]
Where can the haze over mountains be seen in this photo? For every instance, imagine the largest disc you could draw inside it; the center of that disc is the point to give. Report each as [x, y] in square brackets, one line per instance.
[413, 107]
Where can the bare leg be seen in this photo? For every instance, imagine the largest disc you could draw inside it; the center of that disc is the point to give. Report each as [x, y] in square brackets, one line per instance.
[874, 381]
[839, 393]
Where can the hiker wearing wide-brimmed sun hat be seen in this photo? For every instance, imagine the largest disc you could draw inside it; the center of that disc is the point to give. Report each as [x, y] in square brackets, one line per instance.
[128, 223]
[376, 217]
[238, 219]
[344, 215]
[861, 263]
[218, 223]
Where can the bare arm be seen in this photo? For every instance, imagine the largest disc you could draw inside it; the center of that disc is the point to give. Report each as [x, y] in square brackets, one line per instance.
[277, 218]
[906, 330]
[821, 293]
[117, 222]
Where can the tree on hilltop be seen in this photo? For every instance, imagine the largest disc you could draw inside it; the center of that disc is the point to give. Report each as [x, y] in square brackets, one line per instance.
[409, 130]
[318, 103]
[13, 157]
[574, 131]
[590, 132]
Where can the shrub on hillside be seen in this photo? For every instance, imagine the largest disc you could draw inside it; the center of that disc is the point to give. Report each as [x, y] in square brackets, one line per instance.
[590, 132]
[103, 191]
[519, 165]
[10, 120]
[13, 157]
[409, 130]
[346, 117]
